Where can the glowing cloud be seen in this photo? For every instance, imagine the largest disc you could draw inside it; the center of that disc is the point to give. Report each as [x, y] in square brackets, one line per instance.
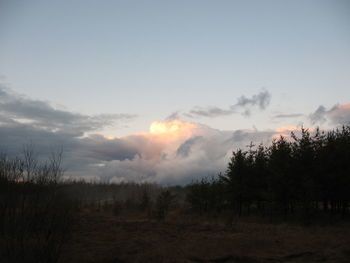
[176, 128]
[110, 137]
[169, 135]
[286, 130]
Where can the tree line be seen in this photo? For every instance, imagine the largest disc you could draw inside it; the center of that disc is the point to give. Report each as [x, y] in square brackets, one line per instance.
[305, 176]
[36, 214]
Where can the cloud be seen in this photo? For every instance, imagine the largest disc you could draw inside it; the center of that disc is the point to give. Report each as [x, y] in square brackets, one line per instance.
[210, 112]
[102, 149]
[262, 99]
[197, 151]
[185, 151]
[171, 152]
[24, 120]
[244, 106]
[339, 114]
[185, 148]
[19, 109]
[285, 131]
[173, 116]
[319, 116]
[286, 116]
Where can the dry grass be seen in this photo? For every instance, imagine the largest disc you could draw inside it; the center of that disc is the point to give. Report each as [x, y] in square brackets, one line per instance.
[102, 237]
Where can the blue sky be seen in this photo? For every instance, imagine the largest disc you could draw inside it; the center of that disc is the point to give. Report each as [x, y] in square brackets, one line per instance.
[149, 59]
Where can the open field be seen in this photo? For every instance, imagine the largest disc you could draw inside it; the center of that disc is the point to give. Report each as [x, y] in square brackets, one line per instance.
[100, 237]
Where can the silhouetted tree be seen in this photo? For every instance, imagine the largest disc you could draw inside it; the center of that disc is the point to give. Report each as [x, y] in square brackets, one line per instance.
[236, 181]
[301, 175]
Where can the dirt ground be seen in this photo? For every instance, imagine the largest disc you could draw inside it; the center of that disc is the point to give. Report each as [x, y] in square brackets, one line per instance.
[100, 237]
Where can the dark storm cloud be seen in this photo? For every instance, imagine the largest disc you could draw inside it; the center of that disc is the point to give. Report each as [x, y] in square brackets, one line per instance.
[102, 149]
[244, 106]
[79, 153]
[24, 120]
[14, 136]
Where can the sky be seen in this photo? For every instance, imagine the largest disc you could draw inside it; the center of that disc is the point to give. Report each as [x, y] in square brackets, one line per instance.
[164, 91]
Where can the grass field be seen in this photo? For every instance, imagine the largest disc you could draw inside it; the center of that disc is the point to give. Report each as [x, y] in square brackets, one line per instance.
[100, 237]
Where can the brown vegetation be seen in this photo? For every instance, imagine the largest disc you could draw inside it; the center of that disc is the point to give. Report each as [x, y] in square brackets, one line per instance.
[182, 237]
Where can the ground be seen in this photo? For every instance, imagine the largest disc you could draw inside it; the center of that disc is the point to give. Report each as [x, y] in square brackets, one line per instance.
[100, 237]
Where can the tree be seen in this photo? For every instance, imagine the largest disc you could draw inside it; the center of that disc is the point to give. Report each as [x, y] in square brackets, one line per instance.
[163, 202]
[235, 180]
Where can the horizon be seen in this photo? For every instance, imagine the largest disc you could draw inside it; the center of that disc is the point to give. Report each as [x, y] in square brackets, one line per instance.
[164, 91]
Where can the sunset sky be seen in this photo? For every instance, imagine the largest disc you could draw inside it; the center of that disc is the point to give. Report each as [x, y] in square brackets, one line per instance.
[163, 91]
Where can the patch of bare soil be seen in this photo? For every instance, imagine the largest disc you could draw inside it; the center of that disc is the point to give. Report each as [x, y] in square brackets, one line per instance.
[104, 238]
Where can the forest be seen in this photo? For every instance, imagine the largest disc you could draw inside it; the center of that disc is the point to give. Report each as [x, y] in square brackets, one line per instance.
[297, 180]
[308, 176]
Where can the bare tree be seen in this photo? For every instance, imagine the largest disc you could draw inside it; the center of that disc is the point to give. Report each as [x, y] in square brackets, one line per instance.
[30, 161]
